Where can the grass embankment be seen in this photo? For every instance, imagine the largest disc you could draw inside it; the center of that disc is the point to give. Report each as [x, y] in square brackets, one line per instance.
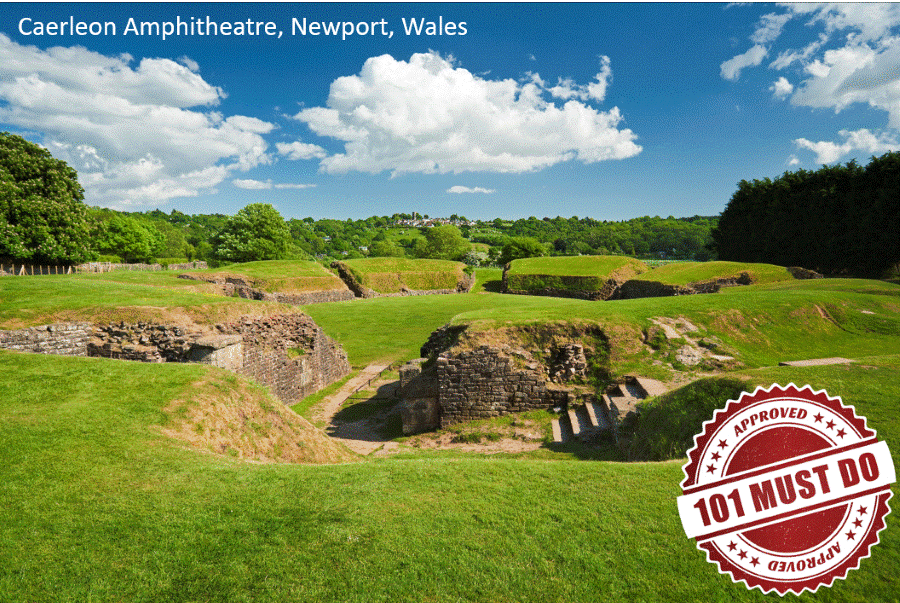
[98, 506]
[281, 276]
[116, 296]
[764, 324]
[694, 272]
[392, 275]
[576, 273]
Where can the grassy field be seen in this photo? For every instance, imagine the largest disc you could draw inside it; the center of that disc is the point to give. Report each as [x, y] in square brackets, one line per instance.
[97, 504]
[115, 296]
[391, 275]
[283, 276]
[683, 273]
[579, 273]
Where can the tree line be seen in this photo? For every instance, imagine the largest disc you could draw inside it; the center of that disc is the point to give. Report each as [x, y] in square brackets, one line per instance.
[842, 219]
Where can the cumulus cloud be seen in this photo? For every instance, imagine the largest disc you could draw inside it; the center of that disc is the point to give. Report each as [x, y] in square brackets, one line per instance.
[138, 132]
[300, 150]
[781, 87]
[855, 58]
[429, 115]
[465, 189]
[731, 69]
[265, 185]
[566, 88]
[858, 140]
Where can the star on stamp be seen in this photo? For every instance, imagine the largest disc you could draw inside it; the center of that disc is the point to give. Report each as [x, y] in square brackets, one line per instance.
[786, 489]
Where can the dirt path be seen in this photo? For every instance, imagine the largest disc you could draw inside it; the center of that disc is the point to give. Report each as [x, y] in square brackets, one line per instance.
[332, 403]
[358, 437]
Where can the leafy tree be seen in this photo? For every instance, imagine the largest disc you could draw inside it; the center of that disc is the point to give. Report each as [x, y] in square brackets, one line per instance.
[257, 232]
[384, 249]
[129, 239]
[443, 242]
[42, 217]
[521, 247]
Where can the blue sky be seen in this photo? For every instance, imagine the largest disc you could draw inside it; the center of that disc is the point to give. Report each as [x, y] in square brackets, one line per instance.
[611, 111]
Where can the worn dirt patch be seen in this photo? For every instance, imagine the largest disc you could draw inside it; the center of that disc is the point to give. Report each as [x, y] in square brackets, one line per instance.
[225, 415]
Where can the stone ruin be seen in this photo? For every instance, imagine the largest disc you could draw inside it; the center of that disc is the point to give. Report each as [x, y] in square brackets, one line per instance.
[288, 353]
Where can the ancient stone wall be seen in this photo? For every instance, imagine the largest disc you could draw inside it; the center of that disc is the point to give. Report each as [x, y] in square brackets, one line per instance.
[238, 287]
[61, 339]
[289, 353]
[464, 285]
[487, 382]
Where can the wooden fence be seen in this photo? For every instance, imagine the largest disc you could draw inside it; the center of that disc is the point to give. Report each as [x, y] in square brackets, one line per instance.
[37, 269]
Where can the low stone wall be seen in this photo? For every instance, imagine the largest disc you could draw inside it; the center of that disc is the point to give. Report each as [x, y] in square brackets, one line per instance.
[289, 353]
[486, 382]
[238, 287]
[144, 342]
[60, 339]
[637, 288]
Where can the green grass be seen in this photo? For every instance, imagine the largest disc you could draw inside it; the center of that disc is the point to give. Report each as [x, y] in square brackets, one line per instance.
[578, 273]
[112, 296]
[582, 265]
[282, 276]
[682, 273]
[97, 507]
[391, 275]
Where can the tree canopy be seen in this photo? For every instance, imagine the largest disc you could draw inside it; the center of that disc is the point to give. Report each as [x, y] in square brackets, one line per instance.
[521, 247]
[838, 219]
[42, 217]
[443, 242]
[257, 232]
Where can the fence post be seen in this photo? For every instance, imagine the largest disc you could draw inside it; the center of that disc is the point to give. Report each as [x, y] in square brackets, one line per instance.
[22, 271]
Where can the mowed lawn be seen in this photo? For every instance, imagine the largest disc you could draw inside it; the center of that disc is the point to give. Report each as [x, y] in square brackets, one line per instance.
[97, 505]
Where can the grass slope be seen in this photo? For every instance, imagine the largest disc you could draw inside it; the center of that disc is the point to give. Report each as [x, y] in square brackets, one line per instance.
[115, 296]
[682, 273]
[97, 506]
[283, 276]
[580, 273]
[391, 275]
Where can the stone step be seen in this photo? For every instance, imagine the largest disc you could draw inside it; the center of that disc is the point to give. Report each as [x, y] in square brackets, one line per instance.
[574, 422]
[598, 415]
[651, 387]
[557, 431]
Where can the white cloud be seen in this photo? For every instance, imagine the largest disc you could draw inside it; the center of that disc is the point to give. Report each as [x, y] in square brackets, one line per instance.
[566, 88]
[265, 185]
[781, 87]
[300, 150]
[855, 59]
[731, 69]
[133, 132]
[792, 160]
[858, 140]
[465, 189]
[428, 115]
[769, 28]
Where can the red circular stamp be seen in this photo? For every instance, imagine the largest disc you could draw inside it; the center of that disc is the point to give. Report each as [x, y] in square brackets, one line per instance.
[786, 489]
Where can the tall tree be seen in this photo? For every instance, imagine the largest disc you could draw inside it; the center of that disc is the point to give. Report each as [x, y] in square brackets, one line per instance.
[443, 242]
[257, 232]
[42, 216]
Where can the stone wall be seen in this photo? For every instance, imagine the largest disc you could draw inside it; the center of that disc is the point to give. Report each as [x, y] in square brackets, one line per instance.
[289, 353]
[61, 339]
[489, 382]
[238, 287]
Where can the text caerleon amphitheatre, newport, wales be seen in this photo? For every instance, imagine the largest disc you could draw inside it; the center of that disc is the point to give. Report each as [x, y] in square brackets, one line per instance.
[205, 26]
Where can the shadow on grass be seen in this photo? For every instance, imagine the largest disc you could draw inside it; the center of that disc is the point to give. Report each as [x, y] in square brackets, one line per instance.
[492, 286]
[585, 452]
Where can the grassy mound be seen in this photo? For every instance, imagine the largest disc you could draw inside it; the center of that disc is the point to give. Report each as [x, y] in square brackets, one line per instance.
[667, 425]
[683, 273]
[117, 296]
[393, 275]
[281, 276]
[577, 273]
